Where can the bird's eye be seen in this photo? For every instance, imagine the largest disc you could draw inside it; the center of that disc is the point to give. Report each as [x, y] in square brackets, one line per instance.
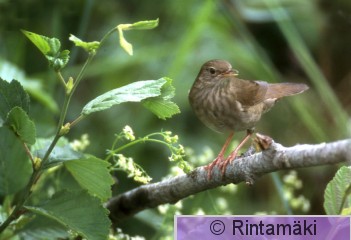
[212, 70]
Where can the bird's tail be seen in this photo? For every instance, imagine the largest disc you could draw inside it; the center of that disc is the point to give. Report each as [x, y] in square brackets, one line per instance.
[279, 90]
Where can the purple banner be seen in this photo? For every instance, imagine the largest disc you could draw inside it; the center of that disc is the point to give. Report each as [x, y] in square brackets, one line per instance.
[262, 227]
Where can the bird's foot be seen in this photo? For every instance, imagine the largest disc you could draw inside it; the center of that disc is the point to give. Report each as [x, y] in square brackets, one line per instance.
[225, 163]
[233, 155]
[217, 162]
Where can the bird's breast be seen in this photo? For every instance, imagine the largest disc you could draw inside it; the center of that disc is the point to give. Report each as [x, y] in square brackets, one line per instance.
[219, 110]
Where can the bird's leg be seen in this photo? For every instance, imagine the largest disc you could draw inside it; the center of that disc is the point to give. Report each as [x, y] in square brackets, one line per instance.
[219, 158]
[232, 156]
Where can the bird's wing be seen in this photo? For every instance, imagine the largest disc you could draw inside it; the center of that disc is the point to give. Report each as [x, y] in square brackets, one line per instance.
[248, 93]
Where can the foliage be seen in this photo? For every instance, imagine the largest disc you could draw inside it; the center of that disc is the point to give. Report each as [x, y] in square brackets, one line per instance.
[290, 40]
[337, 195]
[35, 160]
[50, 48]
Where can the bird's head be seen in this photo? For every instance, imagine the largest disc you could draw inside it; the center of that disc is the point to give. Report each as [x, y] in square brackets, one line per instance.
[213, 70]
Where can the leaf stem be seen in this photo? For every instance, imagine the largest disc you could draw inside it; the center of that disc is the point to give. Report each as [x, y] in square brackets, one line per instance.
[29, 154]
[65, 108]
[37, 172]
[103, 39]
[61, 78]
[77, 120]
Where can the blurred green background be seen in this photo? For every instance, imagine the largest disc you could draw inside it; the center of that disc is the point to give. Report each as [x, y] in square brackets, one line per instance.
[271, 40]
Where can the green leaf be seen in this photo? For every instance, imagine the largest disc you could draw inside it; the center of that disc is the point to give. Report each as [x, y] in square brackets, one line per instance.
[124, 43]
[134, 92]
[144, 25]
[161, 105]
[346, 211]
[161, 108]
[78, 211]
[33, 86]
[66, 181]
[337, 195]
[45, 45]
[60, 61]
[87, 46]
[12, 95]
[93, 175]
[61, 153]
[43, 228]
[50, 47]
[141, 25]
[20, 123]
[15, 167]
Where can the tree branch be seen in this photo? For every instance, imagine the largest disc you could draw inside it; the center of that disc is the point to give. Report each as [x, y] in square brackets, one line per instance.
[245, 169]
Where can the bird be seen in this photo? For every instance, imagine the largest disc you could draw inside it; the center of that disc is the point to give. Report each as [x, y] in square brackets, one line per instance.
[228, 104]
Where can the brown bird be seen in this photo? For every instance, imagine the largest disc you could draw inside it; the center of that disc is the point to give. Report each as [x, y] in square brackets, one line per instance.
[228, 104]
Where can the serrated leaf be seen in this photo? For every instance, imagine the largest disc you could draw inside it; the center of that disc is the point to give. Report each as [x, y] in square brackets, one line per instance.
[161, 105]
[12, 95]
[337, 195]
[167, 90]
[93, 175]
[87, 46]
[50, 47]
[33, 86]
[62, 60]
[61, 153]
[19, 122]
[16, 167]
[58, 61]
[161, 108]
[78, 211]
[134, 92]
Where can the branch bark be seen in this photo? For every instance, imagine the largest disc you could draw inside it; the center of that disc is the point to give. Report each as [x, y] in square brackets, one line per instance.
[245, 169]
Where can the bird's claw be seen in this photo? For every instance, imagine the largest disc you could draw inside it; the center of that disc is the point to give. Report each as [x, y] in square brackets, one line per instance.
[221, 163]
[218, 161]
[229, 160]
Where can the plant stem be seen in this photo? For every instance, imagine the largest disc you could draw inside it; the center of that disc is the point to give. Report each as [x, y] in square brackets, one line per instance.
[144, 139]
[16, 211]
[37, 172]
[103, 39]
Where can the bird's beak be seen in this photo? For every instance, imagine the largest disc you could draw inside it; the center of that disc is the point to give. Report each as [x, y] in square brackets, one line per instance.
[231, 72]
